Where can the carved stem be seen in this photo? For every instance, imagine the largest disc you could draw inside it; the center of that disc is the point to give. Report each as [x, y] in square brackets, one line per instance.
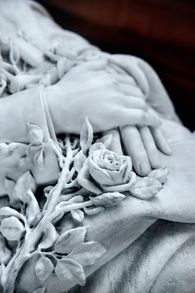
[26, 251]
[68, 208]
[11, 271]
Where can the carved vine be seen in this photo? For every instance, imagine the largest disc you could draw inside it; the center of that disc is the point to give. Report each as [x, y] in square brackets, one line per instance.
[92, 179]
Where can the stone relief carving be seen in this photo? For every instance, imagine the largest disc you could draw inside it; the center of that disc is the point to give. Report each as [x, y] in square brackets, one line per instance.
[92, 178]
[53, 183]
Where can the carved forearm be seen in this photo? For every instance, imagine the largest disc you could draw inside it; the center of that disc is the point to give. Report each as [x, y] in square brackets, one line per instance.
[16, 111]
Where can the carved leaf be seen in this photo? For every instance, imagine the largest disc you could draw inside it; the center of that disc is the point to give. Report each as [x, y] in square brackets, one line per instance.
[5, 253]
[85, 180]
[70, 270]
[96, 146]
[11, 228]
[77, 215]
[79, 160]
[23, 184]
[14, 54]
[43, 268]
[87, 253]
[33, 210]
[92, 211]
[10, 185]
[8, 212]
[86, 135]
[145, 188]
[107, 199]
[88, 185]
[47, 190]
[39, 158]
[35, 133]
[50, 236]
[159, 174]
[70, 239]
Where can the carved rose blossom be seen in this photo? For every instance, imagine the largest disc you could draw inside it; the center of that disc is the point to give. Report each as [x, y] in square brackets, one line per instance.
[108, 168]
[105, 171]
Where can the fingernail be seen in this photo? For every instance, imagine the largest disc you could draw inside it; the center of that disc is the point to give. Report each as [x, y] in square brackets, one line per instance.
[145, 169]
[167, 149]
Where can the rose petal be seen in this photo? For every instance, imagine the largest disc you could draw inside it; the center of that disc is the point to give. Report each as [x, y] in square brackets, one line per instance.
[121, 187]
[96, 146]
[128, 169]
[85, 180]
[99, 175]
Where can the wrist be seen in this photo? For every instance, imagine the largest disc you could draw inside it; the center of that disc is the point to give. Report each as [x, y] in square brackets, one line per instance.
[16, 111]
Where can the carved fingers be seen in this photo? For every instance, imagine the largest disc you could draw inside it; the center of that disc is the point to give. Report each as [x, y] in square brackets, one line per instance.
[142, 144]
[141, 136]
[138, 117]
[134, 147]
[150, 147]
[161, 141]
[130, 90]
